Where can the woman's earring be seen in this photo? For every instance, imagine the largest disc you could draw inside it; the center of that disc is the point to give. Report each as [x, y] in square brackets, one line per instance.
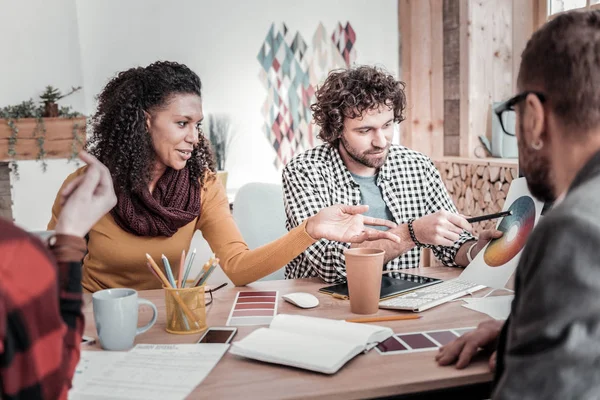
[537, 146]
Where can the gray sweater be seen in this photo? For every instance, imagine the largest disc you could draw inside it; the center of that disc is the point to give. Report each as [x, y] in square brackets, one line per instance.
[550, 347]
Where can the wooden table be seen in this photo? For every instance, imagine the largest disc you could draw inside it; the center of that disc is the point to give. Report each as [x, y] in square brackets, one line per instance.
[366, 376]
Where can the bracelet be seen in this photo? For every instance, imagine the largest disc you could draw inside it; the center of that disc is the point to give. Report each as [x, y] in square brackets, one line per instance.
[413, 237]
[469, 257]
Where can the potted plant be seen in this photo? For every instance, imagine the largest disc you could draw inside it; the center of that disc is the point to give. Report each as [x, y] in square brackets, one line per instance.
[220, 134]
[26, 133]
[49, 100]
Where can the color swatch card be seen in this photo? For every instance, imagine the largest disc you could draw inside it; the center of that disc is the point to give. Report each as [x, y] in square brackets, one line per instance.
[402, 343]
[253, 308]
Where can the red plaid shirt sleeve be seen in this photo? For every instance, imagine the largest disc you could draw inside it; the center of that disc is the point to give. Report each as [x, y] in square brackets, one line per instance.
[41, 322]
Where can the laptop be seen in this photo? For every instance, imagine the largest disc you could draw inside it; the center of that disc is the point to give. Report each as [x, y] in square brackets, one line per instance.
[494, 264]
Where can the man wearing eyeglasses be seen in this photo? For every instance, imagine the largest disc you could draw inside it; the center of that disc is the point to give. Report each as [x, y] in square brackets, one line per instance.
[550, 346]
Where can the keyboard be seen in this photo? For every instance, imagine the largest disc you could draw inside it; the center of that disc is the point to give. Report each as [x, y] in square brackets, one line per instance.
[431, 296]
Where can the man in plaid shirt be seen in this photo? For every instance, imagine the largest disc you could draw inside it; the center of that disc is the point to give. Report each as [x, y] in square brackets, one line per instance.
[40, 293]
[356, 110]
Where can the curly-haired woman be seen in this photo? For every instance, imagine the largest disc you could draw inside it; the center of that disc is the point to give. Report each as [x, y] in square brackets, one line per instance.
[147, 131]
[357, 109]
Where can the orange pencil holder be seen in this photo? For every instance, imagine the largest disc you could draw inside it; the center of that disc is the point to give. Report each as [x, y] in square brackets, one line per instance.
[186, 310]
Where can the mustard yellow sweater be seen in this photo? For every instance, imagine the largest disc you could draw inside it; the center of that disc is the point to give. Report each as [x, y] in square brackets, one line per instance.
[118, 259]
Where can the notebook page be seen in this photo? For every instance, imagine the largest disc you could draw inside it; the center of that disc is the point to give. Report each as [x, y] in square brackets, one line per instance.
[357, 334]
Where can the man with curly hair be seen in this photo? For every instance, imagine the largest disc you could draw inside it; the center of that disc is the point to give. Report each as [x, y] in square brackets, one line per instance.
[357, 110]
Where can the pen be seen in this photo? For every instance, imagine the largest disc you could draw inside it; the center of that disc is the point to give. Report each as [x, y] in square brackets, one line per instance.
[384, 318]
[489, 216]
[339, 296]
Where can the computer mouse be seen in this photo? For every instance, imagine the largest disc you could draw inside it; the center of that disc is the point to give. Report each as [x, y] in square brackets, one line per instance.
[302, 300]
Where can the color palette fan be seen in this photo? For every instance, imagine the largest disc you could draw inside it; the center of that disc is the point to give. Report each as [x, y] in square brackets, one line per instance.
[515, 228]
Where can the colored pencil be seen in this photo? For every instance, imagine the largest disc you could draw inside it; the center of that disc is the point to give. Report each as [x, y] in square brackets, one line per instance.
[206, 275]
[166, 283]
[188, 268]
[489, 216]
[384, 318]
[167, 266]
[158, 272]
[152, 270]
[203, 270]
[181, 269]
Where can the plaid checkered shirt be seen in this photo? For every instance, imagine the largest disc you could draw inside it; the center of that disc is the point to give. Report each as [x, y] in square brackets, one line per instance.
[411, 188]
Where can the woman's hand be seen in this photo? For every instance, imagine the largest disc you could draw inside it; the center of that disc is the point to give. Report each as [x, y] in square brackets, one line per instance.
[86, 199]
[344, 223]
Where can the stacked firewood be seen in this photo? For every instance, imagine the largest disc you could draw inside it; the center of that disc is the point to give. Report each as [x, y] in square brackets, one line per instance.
[477, 189]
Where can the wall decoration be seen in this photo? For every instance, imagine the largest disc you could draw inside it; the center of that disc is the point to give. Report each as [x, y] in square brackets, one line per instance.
[291, 71]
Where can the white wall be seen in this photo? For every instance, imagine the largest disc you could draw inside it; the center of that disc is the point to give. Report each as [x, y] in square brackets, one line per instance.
[219, 40]
[40, 47]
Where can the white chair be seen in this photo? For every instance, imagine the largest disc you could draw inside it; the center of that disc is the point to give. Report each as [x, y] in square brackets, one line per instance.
[259, 214]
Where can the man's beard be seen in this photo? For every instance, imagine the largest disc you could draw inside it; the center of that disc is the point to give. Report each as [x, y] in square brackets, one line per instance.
[367, 159]
[536, 169]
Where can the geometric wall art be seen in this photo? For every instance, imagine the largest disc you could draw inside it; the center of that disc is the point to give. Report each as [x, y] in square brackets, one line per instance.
[290, 71]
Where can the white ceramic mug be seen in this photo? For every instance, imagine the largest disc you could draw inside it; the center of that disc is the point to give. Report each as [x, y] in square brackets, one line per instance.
[116, 316]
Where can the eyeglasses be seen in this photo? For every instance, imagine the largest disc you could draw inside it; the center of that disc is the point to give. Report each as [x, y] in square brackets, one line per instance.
[505, 110]
[210, 292]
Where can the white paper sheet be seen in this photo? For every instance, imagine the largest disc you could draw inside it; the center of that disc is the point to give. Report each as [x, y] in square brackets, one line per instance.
[148, 371]
[92, 363]
[497, 307]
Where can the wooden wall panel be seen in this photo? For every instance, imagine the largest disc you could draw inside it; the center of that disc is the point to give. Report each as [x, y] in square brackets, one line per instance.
[524, 24]
[421, 25]
[490, 63]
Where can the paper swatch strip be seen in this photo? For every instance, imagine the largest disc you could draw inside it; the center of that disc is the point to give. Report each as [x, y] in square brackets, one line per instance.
[253, 308]
[419, 341]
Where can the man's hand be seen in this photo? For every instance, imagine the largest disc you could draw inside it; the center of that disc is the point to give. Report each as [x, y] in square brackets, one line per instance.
[86, 199]
[463, 349]
[484, 237]
[344, 223]
[442, 228]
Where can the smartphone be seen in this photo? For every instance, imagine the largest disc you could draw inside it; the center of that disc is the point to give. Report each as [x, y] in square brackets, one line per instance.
[218, 335]
[87, 340]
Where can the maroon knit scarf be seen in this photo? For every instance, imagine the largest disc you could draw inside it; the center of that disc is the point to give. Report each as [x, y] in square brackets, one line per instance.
[174, 203]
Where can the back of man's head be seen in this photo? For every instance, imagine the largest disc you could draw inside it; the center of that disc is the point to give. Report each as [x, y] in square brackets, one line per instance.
[348, 93]
[562, 60]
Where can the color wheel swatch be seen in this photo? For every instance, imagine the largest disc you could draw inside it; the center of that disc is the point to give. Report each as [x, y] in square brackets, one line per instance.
[515, 229]
[253, 308]
[402, 343]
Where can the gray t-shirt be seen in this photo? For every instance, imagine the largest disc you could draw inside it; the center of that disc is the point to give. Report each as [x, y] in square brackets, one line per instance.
[370, 194]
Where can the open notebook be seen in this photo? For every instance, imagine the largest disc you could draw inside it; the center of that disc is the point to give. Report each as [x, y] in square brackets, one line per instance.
[317, 344]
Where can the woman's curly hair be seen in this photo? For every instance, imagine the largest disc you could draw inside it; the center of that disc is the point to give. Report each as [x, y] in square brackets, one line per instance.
[119, 136]
[347, 93]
